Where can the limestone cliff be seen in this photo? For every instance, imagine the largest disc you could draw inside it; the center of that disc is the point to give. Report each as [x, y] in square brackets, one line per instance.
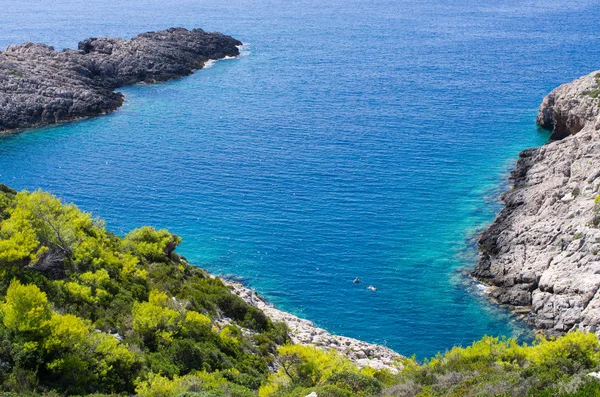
[543, 250]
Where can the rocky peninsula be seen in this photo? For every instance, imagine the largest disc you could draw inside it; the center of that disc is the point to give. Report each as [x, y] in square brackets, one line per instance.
[542, 253]
[39, 85]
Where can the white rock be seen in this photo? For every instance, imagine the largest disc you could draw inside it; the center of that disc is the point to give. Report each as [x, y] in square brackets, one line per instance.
[305, 332]
[595, 374]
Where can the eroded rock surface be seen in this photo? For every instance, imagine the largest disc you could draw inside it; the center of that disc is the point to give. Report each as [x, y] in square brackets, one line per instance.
[39, 85]
[543, 249]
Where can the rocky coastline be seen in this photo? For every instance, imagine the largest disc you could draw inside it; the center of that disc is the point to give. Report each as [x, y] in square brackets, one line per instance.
[541, 255]
[40, 86]
[304, 332]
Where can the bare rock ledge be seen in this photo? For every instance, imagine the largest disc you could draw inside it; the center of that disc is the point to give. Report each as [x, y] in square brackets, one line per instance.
[542, 253]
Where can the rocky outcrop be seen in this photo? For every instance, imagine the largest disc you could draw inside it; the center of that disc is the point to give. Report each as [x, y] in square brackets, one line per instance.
[570, 107]
[39, 85]
[542, 252]
[305, 332]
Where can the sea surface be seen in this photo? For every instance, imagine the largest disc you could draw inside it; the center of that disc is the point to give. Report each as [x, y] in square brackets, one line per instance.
[352, 138]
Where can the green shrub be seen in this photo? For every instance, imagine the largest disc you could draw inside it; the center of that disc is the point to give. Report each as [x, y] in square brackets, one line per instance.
[334, 391]
[359, 384]
[502, 367]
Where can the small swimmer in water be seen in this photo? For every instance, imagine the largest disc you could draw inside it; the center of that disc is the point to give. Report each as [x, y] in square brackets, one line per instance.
[370, 287]
[356, 280]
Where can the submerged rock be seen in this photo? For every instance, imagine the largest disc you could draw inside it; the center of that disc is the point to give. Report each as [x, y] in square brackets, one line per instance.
[39, 85]
[542, 253]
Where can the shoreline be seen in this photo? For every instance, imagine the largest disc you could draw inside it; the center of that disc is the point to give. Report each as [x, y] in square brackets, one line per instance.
[305, 332]
[540, 255]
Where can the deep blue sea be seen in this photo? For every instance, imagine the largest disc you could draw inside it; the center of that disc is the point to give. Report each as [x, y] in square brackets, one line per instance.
[352, 138]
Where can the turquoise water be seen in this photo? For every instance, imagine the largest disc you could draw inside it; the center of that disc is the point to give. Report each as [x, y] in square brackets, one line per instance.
[352, 138]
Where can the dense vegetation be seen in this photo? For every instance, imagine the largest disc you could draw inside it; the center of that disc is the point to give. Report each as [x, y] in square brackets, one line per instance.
[87, 312]
[502, 367]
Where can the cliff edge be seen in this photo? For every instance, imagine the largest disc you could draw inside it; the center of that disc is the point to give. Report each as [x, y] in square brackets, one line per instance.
[39, 85]
[543, 250]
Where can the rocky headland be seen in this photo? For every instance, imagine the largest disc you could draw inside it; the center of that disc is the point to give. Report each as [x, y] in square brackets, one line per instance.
[542, 253]
[39, 85]
[304, 332]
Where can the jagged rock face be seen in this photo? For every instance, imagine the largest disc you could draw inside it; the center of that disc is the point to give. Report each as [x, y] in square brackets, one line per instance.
[543, 249]
[568, 108]
[39, 85]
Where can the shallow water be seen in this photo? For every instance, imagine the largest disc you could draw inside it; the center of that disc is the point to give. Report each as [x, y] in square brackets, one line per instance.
[352, 139]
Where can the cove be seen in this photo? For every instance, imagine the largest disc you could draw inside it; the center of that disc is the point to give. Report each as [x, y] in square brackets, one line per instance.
[351, 139]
